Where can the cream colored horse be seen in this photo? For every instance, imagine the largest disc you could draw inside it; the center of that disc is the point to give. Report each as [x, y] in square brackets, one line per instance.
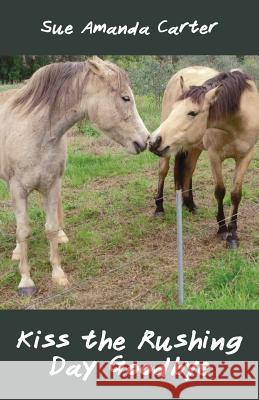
[205, 110]
[33, 123]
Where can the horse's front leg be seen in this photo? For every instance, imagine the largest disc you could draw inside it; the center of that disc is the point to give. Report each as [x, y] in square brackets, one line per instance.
[51, 199]
[219, 192]
[236, 195]
[163, 171]
[19, 196]
[62, 237]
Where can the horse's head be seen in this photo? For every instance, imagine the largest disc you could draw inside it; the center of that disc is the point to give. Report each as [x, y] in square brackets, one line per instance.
[186, 124]
[111, 107]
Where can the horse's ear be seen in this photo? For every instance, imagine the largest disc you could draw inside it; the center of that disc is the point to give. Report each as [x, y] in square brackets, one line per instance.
[97, 65]
[97, 59]
[101, 68]
[212, 95]
[182, 84]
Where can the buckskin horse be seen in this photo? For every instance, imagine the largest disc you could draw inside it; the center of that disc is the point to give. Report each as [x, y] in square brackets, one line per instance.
[207, 110]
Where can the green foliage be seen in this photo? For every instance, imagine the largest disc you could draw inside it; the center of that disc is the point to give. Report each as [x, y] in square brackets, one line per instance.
[149, 74]
[18, 68]
[221, 63]
[125, 62]
[251, 66]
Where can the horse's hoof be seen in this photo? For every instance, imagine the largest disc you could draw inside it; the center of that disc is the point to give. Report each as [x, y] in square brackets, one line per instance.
[222, 235]
[232, 244]
[191, 207]
[27, 291]
[59, 278]
[159, 214]
[63, 282]
[192, 210]
[62, 237]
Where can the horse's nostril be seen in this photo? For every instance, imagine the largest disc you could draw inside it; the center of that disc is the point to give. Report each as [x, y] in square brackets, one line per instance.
[156, 143]
[137, 147]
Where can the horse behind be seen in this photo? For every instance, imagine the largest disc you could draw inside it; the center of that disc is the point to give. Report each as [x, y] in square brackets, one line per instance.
[185, 162]
[33, 123]
[207, 110]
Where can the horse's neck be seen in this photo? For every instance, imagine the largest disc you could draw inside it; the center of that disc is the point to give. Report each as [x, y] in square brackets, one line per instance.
[249, 113]
[63, 121]
[245, 124]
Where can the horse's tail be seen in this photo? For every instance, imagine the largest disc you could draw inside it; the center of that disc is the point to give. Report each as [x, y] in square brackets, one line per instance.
[179, 169]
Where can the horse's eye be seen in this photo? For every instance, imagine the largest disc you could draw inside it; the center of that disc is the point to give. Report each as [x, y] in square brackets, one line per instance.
[193, 113]
[125, 98]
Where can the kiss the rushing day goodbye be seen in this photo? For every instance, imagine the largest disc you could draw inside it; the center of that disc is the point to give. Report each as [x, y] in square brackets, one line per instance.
[164, 27]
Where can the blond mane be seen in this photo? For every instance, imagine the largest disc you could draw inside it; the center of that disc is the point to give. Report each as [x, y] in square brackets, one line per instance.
[60, 85]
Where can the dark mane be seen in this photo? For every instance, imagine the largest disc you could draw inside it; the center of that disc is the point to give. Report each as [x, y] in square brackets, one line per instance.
[59, 85]
[232, 85]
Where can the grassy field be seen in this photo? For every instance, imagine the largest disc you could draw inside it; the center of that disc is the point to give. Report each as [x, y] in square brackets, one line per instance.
[119, 255]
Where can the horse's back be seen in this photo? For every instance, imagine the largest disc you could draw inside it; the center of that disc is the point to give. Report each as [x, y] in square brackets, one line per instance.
[195, 75]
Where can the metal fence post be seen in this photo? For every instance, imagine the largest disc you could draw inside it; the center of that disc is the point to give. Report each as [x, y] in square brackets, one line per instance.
[179, 217]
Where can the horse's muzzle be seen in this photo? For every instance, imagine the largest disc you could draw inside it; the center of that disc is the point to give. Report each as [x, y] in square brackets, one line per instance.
[139, 147]
[154, 147]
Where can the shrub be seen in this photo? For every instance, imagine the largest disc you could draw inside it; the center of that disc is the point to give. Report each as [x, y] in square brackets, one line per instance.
[221, 63]
[150, 76]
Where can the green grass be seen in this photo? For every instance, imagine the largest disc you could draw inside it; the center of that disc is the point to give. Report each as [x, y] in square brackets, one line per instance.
[108, 202]
[229, 282]
[82, 168]
[85, 128]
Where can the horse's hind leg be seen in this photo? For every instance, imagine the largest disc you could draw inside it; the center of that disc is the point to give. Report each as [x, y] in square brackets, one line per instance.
[163, 171]
[26, 286]
[236, 195]
[62, 237]
[220, 191]
[51, 199]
